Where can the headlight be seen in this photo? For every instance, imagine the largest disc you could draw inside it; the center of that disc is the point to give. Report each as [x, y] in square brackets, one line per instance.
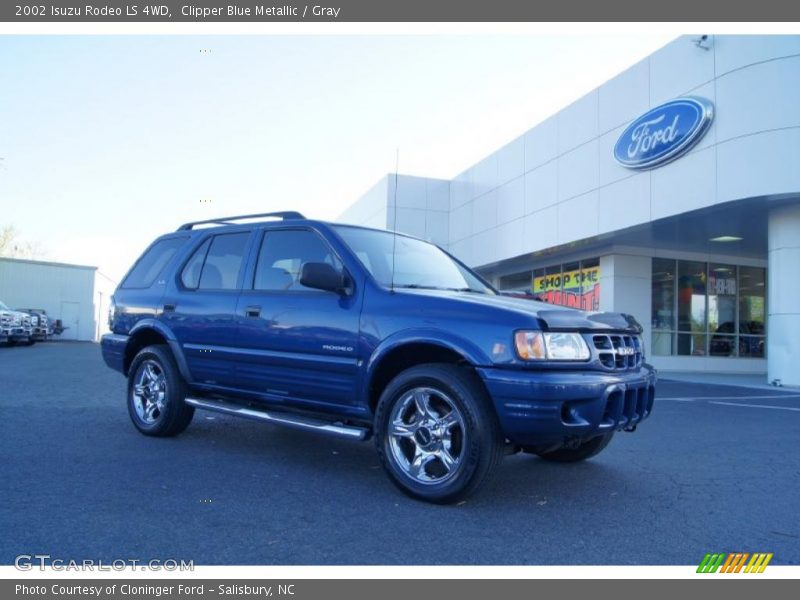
[538, 345]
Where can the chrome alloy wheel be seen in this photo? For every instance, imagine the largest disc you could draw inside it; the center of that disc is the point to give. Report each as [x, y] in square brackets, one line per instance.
[149, 391]
[427, 435]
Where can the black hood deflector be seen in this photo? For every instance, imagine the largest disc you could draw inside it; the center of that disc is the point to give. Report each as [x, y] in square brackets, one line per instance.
[573, 319]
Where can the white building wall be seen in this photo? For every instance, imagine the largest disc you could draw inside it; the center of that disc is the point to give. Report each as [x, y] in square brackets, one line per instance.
[625, 282]
[370, 209]
[422, 209]
[65, 291]
[571, 188]
[784, 295]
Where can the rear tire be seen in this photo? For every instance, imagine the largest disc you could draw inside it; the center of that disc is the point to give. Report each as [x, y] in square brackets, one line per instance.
[436, 433]
[156, 393]
[586, 450]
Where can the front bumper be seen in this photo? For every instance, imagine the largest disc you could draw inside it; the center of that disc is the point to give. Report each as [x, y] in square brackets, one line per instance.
[546, 408]
[19, 334]
[39, 334]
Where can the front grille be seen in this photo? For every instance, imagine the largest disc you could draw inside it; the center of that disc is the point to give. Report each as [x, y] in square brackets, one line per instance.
[618, 352]
[626, 407]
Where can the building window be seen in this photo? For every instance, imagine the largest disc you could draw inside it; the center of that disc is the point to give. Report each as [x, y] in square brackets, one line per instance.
[517, 282]
[575, 284]
[664, 306]
[691, 308]
[752, 311]
[707, 309]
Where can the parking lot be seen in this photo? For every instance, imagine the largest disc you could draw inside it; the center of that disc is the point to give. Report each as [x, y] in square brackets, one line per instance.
[716, 468]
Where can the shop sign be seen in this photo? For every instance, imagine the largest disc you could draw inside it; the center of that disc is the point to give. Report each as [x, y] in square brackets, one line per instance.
[577, 289]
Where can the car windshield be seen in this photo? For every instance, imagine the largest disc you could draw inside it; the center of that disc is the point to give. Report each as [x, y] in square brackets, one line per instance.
[416, 264]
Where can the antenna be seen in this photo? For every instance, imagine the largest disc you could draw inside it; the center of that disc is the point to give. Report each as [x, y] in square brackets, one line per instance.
[394, 220]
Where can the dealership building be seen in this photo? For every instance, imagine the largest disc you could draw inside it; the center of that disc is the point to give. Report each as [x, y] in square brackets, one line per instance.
[671, 192]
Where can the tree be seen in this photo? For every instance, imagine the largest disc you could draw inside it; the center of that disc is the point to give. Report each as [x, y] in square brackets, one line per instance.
[13, 247]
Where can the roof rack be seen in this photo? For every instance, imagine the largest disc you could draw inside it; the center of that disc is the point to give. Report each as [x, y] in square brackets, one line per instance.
[289, 214]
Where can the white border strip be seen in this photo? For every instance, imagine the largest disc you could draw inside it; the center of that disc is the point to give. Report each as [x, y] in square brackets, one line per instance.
[383, 28]
[416, 572]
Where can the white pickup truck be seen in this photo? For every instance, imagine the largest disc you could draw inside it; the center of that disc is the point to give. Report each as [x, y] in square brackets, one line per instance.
[15, 326]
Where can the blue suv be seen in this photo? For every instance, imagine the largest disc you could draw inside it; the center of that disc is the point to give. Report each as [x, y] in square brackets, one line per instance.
[360, 333]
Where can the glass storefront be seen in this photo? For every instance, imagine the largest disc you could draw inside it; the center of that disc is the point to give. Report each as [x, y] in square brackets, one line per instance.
[708, 309]
[575, 284]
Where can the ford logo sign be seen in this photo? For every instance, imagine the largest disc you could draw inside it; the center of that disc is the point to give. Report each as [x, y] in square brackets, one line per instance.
[664, 133]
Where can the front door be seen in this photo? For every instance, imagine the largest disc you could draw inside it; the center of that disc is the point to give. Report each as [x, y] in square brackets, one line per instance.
[201, 312]
[296, 344]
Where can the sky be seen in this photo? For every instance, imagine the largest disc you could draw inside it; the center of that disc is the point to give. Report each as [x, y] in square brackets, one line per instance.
[109, 141]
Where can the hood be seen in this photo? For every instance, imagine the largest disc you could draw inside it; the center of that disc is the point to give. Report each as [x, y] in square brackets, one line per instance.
[551, 317]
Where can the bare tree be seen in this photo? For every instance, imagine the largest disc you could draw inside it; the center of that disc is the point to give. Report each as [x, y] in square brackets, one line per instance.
[13, 247]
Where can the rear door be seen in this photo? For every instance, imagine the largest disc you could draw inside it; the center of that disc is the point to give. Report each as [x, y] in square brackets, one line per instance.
[200, 307]
[296, 344]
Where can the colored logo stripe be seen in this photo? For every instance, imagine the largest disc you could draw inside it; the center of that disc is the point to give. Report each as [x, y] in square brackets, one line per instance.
[758, 563]
[710, 563]
[734, 562]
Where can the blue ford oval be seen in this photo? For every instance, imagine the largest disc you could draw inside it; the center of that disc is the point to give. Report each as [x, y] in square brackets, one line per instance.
[664, 133]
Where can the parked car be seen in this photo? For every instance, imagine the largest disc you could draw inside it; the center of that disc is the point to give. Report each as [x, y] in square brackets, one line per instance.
[16, 326]
[361, 333]
[751, 339]
[40, 328]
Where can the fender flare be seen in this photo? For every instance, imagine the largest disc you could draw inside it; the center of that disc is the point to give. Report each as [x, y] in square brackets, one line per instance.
[172, 342]
[421, 335]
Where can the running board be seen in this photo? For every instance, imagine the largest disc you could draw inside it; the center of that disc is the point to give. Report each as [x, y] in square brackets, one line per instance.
[297, 422]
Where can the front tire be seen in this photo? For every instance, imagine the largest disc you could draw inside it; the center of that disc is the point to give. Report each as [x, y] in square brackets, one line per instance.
[584, 451]
[156, 393]
[436, 433]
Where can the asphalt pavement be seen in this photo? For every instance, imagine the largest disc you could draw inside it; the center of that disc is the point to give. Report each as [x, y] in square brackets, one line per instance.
[715, 469]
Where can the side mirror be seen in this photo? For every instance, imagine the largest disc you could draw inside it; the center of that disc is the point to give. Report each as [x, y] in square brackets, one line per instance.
[322, 276]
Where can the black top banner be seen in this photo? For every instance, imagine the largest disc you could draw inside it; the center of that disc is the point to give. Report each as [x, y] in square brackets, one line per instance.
[400, 11]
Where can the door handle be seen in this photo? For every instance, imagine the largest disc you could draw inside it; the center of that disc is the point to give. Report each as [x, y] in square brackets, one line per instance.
[169, 308]
[253, 312]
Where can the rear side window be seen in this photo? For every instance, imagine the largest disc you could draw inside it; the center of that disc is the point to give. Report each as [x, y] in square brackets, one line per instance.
[191, 272]
[216, 263]
[152, 262]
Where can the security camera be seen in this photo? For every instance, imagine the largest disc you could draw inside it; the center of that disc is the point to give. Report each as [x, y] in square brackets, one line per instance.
[700, 42]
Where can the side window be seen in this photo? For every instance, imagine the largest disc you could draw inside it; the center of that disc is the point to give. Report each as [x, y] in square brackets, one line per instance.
[152, 262]
[190, 277]
[223, 261]
[282, 256]
[216, 263]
